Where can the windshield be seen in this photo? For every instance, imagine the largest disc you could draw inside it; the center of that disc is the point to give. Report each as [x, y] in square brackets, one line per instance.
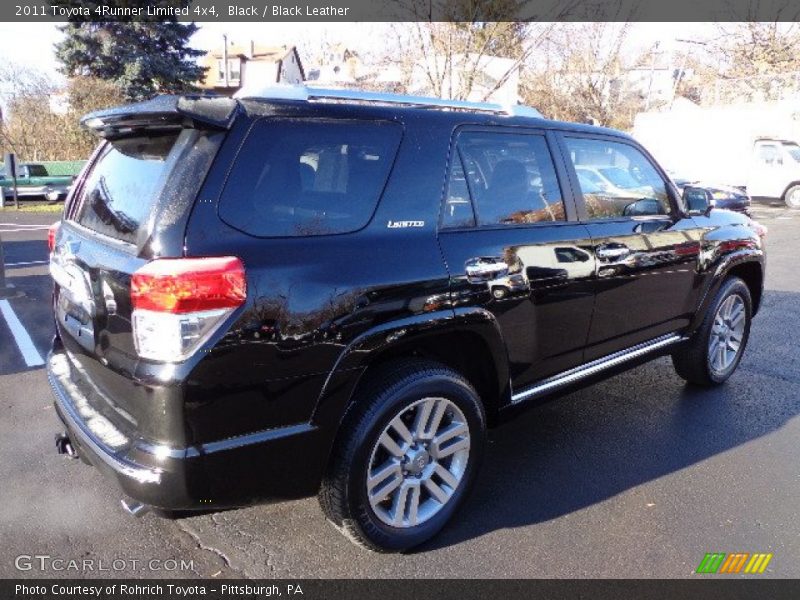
[793, 150]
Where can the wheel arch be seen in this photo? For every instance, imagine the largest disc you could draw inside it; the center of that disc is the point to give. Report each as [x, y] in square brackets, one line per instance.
[466, 340]
[788, 187]
[746, 265]
[752, 274]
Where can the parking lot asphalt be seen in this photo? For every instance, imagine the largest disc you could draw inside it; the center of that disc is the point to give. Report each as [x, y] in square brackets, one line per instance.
[638, 476]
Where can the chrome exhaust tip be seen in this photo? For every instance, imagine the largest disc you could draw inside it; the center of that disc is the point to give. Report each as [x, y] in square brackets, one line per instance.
[64, 446]
[134, 508]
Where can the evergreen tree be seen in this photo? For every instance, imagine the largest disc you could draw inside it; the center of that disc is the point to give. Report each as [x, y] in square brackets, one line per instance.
[142, 58]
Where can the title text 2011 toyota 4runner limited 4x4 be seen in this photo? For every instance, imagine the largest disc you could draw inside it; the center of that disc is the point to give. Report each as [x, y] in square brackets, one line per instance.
[336, 293]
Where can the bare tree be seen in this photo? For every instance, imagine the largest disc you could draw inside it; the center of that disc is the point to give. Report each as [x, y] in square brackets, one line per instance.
[756, 60]
[470, 49]
[27, 115]
[580, 74]
[85, 95]
[454, 60]
[35, 129]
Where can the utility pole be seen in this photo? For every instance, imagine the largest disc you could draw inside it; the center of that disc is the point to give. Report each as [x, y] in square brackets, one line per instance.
[225, 58]
[652, 69]
[10, 160]
[683, 66]
[6, 291]
[2, 269]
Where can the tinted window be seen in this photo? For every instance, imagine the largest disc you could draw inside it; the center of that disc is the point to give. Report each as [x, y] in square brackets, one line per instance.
[457, 206]
[37, 171]
[121, 188]
[294, 178]
[510, 178]
[617, 180]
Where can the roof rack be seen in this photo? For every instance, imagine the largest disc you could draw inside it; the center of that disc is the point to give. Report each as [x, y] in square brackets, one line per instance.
[312, 94]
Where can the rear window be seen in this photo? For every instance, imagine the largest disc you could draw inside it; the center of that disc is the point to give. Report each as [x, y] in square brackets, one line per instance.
[299, 178]
[119, 192]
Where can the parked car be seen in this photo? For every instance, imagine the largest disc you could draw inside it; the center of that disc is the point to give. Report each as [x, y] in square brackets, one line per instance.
[720, 196]
[33, 180]
[336, 293]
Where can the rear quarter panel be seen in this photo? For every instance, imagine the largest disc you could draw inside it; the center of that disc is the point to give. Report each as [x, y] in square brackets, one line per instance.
[310, 297]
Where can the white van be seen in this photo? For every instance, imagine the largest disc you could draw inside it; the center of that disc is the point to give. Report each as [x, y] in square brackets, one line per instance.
[753, 146]
[775, 171]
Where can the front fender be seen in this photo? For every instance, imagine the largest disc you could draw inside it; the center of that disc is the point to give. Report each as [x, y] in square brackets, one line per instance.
[720, 272]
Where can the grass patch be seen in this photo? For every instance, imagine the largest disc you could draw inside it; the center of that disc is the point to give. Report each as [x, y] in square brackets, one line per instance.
[34, 208]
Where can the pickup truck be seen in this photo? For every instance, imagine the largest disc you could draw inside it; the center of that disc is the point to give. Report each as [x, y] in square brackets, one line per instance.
[33, 180]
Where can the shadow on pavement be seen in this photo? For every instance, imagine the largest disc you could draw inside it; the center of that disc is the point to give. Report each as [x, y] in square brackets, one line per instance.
[20, 251]
[642, 425]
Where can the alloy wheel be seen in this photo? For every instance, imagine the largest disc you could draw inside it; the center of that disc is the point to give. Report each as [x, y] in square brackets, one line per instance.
[418, 462]
[727, 333]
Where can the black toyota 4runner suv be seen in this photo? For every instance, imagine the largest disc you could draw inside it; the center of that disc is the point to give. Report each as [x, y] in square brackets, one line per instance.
[334, 293]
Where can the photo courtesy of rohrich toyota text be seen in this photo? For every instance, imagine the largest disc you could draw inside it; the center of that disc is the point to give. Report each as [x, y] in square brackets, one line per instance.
[402, 300]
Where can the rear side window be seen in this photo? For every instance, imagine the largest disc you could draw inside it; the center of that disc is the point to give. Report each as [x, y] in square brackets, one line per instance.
[509, 177]
[119, 192]
[299, 178]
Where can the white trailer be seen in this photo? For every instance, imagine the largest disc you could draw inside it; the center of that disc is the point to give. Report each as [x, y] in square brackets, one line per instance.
[749, 145]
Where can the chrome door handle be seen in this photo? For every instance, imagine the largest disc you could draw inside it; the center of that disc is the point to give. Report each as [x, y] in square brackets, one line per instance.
[612, 252]
[483, 271]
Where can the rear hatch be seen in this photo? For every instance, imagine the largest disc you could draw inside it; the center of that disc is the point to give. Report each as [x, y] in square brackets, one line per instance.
[130, 206]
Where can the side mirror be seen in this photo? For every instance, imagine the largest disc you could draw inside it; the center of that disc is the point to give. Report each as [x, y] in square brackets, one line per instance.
[644, 207]
[697, 200]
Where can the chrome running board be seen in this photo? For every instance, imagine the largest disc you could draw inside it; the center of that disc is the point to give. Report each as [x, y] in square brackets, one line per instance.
[594, 367]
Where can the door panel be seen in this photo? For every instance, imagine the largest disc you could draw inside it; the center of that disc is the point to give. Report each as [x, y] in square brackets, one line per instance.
[647, 282]
[767, 172]
[645, 251]
[537, 282]
[510, 249]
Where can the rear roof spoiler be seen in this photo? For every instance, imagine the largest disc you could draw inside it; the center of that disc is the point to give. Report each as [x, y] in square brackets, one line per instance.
[163, 112]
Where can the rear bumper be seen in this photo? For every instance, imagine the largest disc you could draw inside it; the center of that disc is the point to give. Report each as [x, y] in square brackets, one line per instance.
[161, 482]
[280, 463]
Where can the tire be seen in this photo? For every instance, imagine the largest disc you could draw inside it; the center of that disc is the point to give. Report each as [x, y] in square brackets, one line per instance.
[792, 196]
[699, 362]
[408, 391]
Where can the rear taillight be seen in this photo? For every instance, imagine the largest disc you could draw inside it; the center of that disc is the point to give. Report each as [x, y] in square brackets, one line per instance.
[179, 303]
[51, 236]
